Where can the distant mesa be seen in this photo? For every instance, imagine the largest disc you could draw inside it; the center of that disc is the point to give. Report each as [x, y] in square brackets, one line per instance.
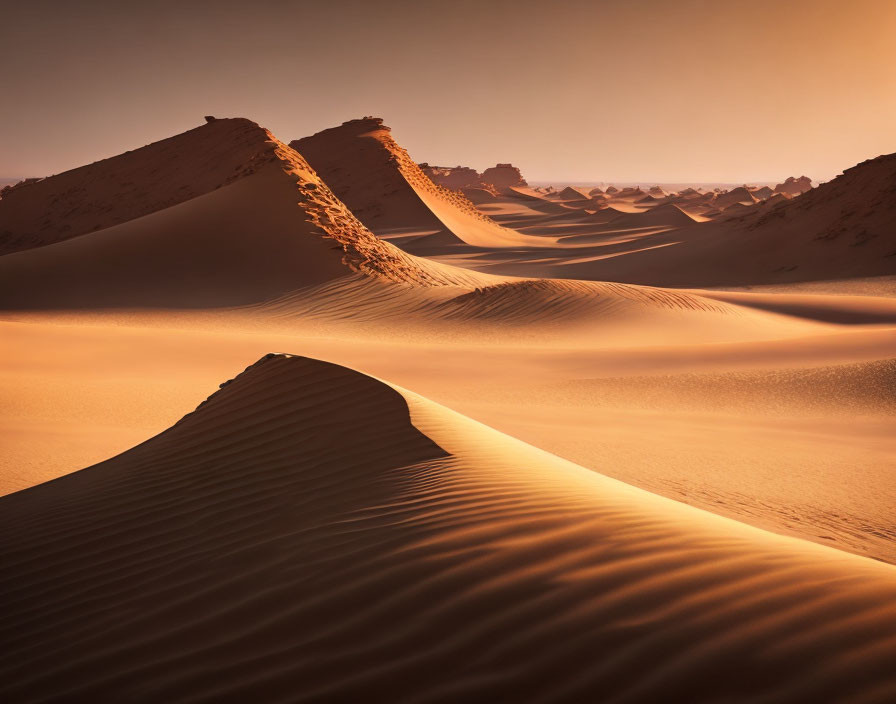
[454, 177]
[794, 186]
[504, 176]
[496, 179]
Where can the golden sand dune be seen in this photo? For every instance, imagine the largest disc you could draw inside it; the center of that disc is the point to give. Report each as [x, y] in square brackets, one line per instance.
[665, 215]
[130, 185]
[313, 534]
[388, 191]
[276, 242]
[274, 229]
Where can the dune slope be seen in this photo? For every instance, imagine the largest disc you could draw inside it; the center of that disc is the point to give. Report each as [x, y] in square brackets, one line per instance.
[131, 185]
[374, 176]
[310, 534]
[275, 229]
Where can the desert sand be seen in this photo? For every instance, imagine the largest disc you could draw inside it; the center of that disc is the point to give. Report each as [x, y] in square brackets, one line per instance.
[530, 439]
[313, 533]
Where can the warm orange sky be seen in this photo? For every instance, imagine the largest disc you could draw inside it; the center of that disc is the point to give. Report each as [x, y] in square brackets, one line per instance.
[579, 91]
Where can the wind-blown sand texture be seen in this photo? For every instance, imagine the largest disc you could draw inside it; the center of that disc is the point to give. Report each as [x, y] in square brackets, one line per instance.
[310, 533]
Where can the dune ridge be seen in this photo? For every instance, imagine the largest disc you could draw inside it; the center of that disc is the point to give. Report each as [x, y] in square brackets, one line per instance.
[131, 185]
[251, 551]
[275, 228]
[377, 179]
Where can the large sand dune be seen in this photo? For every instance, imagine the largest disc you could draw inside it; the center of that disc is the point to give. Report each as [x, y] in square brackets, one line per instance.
[374, 176]
[310, 533]
[277, 243]
[130, 185]
[273, 230]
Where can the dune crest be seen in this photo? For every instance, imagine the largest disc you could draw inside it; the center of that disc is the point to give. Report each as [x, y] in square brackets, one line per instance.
[274, 542]
[270, 228]
[379, 182]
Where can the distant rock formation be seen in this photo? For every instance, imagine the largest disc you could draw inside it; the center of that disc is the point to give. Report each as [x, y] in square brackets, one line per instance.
[794, 186]
[454, 177]
[504, 176]
[457, 178]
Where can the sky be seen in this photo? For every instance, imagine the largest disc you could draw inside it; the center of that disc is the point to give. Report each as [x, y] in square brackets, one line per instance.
[568, 90]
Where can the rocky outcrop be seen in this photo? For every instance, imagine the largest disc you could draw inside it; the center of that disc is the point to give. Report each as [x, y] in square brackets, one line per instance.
[794, 186]
[454, 177]
[504, 176]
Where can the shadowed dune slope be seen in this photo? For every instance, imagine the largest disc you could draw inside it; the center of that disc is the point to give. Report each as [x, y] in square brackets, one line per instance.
[274, 230]
[131, 185]
[666, 215]
[313, 534]
[845, 228]
[384, 187]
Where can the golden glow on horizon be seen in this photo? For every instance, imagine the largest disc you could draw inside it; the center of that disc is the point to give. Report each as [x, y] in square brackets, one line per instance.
[577, 91]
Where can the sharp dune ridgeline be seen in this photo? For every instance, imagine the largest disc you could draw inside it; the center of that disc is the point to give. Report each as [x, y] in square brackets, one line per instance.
[310, 533]
[390, 193]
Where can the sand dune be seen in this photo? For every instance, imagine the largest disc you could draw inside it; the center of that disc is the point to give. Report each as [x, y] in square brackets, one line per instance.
[310, 533]
[840, 230]
[130, 185]
[274, 230]
[388, 192]
[734, 197]
[666, 215]
[277, 243]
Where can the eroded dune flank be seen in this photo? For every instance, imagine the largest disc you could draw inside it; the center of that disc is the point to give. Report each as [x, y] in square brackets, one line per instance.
[313, 534]
[374, 176]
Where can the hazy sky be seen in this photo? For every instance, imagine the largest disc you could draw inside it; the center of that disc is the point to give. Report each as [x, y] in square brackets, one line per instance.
[686, 90]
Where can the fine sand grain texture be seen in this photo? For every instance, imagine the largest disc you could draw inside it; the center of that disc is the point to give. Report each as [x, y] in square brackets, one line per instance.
[310, 533]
